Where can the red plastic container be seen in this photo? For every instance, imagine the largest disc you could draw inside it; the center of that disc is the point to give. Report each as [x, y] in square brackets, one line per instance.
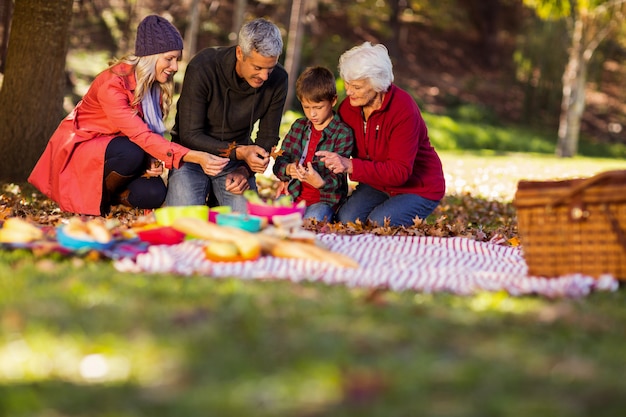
[161, 236]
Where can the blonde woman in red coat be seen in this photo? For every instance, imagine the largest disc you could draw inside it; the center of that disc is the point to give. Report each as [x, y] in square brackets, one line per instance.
[110, 149]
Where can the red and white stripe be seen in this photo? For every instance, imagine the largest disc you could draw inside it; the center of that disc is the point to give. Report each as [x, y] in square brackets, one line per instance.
[425, 264]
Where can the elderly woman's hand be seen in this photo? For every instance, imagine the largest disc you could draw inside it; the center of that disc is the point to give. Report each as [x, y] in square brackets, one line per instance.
[335, 162]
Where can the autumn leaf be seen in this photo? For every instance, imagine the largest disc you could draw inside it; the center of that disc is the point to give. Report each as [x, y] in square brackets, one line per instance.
[514, 241]
[274, 153]
[226, 152]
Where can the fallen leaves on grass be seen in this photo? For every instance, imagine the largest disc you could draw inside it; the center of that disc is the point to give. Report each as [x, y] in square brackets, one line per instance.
[457, 216]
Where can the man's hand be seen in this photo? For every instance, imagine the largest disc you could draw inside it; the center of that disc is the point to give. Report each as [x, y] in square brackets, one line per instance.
[256, 157]
[237, 181]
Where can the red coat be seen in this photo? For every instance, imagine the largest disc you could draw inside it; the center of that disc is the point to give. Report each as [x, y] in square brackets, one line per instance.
[71, 169]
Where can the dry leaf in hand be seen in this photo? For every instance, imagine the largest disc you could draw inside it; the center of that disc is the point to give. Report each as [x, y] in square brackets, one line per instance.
[226, 152]
[274, 153]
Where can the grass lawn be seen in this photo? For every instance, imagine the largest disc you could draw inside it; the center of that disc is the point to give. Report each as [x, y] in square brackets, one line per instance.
[78, 338]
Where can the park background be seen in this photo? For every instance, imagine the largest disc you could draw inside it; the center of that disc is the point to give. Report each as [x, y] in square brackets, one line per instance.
[78, 338]
[552, 66]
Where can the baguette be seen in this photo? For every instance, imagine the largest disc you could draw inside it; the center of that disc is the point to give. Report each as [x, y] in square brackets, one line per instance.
[247, 243]
[282, 248]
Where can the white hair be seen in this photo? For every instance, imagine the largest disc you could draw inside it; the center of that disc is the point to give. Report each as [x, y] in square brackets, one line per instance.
[262, 36]
[369, 62]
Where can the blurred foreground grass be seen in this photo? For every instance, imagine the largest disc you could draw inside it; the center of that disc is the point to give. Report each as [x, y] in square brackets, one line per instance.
[80, 339]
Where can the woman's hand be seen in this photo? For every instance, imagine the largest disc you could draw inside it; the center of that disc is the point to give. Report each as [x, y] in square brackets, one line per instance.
[211, 164]
[155, 169]
[335, 162]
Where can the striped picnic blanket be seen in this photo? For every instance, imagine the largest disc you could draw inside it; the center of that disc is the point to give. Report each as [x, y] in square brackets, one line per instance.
[425, 264]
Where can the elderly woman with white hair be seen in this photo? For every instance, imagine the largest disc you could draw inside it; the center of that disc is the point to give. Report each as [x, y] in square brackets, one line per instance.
[399, 174]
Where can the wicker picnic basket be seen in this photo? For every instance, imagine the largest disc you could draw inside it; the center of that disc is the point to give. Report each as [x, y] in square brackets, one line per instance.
[574, 226]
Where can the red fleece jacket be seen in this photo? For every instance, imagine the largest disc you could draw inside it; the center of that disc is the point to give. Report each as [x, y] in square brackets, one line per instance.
[392, 150]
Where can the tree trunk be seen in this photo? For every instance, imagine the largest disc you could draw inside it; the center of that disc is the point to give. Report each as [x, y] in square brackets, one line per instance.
[573, 101]
[191, 34]
[238, 15]
[294, 47]
[31, 97]
[5, 12]
[393, 43]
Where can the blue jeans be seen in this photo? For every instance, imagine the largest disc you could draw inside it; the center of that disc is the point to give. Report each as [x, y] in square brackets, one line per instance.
[319, 212]
[190, 186]
[368, 203]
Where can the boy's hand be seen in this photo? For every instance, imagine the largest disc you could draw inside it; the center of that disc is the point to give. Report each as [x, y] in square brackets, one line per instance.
[309, 175]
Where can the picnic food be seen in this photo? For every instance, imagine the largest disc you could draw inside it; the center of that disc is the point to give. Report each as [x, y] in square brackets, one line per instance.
[79, 234]
[231, 244]
[222, 252]
[285, 248]
[93, 229]
[247, 244]
[17, 230]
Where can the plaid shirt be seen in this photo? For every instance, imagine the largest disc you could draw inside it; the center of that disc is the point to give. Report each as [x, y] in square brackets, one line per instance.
[336, 137]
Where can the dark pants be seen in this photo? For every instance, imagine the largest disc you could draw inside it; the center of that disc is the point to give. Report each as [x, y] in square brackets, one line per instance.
[124, 165]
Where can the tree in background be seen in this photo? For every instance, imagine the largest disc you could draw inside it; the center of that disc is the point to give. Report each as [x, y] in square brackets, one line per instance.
[31, 97]
[450, 54]
[6, 11]
[588, 23]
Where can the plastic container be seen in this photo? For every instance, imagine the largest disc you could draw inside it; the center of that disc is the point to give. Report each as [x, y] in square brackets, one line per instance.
[165, 216]
[214, 211]
[267, 211]
[165, 235]
[73, 243]
[240, 221]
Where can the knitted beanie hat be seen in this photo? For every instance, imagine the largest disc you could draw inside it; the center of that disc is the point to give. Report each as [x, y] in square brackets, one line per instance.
[156, 35]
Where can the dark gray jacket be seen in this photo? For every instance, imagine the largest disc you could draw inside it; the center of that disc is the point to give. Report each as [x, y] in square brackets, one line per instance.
[217, 107]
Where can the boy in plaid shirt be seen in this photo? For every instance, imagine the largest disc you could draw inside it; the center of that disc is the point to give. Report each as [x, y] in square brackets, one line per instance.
[306, 177]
